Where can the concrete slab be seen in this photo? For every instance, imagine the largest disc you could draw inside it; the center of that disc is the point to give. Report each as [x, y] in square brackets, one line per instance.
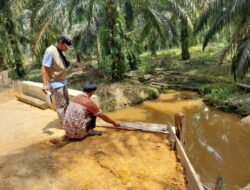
[33, 101]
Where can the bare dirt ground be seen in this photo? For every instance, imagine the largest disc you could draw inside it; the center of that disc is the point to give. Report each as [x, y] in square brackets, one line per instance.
[118, 160]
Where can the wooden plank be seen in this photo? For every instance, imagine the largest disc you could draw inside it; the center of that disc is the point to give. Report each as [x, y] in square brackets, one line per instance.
[32, 101]
[138, 126]
[146, 126]
[193, 179]
[243, 86]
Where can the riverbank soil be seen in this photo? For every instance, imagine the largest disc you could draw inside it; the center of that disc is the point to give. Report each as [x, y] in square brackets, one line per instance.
[33, 155]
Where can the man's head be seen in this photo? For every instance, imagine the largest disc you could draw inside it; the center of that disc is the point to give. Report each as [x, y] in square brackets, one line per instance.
[64, 41]
[89, 88]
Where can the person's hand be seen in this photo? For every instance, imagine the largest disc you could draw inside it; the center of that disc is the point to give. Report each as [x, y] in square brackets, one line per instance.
[45, 89]
[117, 124]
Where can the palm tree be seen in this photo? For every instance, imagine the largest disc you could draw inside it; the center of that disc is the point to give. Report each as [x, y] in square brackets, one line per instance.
[166, 17]
[220, 14]
[10, 52]
[184, 11]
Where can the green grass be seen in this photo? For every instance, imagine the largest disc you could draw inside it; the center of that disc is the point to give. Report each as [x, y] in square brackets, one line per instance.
[202, 63]
[220, 94]
[34, 73]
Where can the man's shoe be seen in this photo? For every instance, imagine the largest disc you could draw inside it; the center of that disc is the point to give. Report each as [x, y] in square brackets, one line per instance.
[95, 133]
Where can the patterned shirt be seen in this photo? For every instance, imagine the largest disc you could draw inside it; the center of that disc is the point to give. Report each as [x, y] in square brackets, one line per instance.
[77, 116]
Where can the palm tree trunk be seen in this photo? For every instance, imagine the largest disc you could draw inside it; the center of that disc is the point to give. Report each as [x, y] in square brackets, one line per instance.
[117, 62]
[98, 51]
[185, 55]
[18, 60]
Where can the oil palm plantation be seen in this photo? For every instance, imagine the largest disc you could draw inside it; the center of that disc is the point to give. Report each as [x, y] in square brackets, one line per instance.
[170, 18]
[112, 28]
[219, 14]
[104, 20]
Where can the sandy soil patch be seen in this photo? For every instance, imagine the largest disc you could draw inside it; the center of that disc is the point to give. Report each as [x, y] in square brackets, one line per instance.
[116, 160]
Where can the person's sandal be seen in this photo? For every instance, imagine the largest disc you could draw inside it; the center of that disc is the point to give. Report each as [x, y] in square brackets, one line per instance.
[95, 133]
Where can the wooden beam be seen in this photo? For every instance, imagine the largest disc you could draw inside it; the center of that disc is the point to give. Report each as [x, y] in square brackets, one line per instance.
[193, 179]
[138, 126]
[243, 86]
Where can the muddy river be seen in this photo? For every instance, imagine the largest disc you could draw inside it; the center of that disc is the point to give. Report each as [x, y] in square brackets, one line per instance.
[217, 143]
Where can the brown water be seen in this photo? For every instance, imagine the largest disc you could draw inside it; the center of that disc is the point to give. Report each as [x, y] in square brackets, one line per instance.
[217, 143]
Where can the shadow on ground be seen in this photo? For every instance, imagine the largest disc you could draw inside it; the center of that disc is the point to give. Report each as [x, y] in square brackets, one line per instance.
[55, 124]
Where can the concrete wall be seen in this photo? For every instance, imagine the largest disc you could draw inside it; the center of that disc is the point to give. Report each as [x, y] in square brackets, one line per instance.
[5, 81]
[34, 89]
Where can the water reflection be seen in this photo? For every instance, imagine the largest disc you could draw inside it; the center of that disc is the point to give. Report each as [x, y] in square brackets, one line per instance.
[216, 142]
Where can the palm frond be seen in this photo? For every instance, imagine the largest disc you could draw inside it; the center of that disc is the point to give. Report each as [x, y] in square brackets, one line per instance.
[224, 17]
[18, 6]
[169, 28]
[210, 9]
[145, 32]
[241, 61]
[244, 30]
[175, 8]
[153, 20]
[189, 4]
[71, 9]
[47, 28]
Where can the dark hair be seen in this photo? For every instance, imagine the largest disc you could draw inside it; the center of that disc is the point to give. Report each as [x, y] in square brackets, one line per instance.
[66, 39]
[89, 87]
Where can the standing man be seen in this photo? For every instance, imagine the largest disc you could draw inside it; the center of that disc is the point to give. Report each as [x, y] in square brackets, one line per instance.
[54, 73]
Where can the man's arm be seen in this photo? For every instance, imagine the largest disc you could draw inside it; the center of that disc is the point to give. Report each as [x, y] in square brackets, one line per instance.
[108, 119]
[47, 62]
[44, 79]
